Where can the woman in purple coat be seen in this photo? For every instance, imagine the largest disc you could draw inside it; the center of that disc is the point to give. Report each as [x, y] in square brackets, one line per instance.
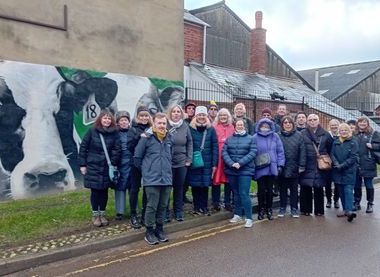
[268, 144]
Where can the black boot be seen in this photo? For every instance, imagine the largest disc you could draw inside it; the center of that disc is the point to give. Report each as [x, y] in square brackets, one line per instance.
[369, 209]
[160, 234]
[261, 214]
[135, 221]
[370, 198]
[356, 207]
[150, 237]
[270, 214]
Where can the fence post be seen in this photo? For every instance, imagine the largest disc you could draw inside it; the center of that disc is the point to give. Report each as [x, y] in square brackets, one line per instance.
[186, 95]
[303, 103]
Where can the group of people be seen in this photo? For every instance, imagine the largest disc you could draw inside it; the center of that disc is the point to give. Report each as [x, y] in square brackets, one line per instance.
[204, 147]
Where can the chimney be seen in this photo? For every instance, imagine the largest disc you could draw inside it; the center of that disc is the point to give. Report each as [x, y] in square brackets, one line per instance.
[258, 58]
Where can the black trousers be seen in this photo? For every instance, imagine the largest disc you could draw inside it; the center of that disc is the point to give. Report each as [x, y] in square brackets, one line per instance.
[135, 181]
[99, 199]
[308, 195]
[200, 197]
[265, 191]
[179, 176]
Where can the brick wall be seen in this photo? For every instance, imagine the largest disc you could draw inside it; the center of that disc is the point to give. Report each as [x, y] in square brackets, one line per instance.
[193, 43]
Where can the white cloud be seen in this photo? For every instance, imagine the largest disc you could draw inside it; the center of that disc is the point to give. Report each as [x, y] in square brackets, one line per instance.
[313, 33]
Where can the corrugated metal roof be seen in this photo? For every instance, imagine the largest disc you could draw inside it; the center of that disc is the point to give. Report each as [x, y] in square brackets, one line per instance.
[263, 86]
[336, 80]
[191, 18]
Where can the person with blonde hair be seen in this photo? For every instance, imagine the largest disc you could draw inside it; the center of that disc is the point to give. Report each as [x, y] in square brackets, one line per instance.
[182, 145]
[240, 112]
[224, 129]
[344, 155]
[368, 141]
[334, 133]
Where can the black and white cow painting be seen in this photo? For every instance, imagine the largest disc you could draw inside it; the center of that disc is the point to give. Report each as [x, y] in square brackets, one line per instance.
[38, 107]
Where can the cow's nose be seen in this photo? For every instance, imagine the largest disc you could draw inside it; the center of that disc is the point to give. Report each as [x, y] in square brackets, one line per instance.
[45, 182]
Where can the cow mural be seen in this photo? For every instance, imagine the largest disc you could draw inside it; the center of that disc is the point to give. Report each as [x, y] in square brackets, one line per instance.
[46, 110]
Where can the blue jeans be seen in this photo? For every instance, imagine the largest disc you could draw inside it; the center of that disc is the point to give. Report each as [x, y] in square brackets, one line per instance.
[368, 183]
[240, 186]
[346, 196]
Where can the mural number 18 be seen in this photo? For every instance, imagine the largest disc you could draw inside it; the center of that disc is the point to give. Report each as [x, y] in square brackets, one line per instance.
[91, 111]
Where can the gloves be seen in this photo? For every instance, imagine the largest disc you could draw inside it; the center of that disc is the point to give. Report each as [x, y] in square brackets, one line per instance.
[338, 166]
[279, 170]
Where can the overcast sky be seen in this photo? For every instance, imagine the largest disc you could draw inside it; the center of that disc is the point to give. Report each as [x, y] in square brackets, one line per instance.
[314, 33]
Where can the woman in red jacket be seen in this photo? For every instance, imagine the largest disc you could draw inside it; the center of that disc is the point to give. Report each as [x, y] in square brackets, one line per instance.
[224, 128]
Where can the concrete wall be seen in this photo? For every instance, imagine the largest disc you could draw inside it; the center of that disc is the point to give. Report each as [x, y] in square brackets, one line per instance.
[137, 37]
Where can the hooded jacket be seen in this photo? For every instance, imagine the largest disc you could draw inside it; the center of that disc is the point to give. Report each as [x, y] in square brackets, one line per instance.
[269, 142]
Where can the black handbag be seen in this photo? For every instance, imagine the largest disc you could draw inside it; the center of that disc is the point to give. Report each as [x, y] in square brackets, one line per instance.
[262, 160]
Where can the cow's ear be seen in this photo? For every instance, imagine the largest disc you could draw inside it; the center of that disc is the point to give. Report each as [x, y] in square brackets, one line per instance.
[104, 89]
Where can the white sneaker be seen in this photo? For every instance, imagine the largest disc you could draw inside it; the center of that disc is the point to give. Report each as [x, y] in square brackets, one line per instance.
[235, 219]
[248, 223]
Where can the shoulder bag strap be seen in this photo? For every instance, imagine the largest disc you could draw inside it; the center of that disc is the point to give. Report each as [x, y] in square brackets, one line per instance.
[316, 149]
[203, 140]
[105, 149]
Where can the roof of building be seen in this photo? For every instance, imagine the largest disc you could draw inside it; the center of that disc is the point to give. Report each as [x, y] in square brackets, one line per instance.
[193, 19]
[221, 4]
[247, 84]
[335, 81]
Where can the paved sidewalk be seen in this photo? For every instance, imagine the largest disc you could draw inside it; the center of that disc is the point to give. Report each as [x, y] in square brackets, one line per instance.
[97, 239]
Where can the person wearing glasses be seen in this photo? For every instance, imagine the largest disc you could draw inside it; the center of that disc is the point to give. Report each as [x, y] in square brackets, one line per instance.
[295, 162]
[312, 180]
[212, 110]
[344, 156]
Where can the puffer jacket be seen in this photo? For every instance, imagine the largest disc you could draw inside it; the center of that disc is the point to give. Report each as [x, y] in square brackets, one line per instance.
[201, 177]
[239, 149]
[91, 155]
[345, 156]
[133, 136]
[154, 159]
[295, 153]
[312, 176]
[271, 143]
[367, 163]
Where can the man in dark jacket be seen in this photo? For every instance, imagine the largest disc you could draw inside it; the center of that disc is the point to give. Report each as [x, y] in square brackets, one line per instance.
[153, 157]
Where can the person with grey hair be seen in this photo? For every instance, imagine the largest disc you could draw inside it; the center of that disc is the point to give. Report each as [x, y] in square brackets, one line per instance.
[312, 180]
[224, 129]
[240, 112]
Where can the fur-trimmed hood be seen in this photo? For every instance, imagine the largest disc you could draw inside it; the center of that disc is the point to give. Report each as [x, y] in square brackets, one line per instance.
[193, 123]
